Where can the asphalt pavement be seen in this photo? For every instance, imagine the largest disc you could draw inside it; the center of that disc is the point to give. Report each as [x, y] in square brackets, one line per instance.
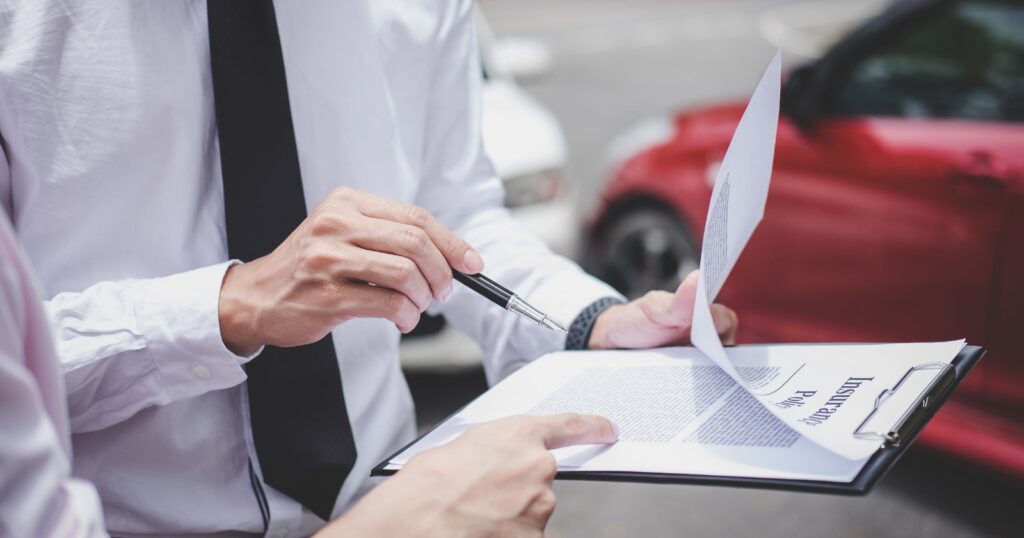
[618, 61]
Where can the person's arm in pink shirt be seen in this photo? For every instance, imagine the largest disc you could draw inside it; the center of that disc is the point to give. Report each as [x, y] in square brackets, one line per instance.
[38, 496]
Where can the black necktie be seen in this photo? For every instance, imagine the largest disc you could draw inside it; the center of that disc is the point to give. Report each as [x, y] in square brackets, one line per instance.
[299, 421]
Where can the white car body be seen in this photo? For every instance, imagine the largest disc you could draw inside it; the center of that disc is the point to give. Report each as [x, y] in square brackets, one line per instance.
[528, 149]
[525, 140]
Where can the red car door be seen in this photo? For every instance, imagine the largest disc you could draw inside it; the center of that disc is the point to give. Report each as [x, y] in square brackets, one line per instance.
[870, 235]
[1005, 362]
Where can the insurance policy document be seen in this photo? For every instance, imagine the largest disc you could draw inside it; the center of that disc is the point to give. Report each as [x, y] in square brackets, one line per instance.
[678, 412]
[773, 411]
[828, 397]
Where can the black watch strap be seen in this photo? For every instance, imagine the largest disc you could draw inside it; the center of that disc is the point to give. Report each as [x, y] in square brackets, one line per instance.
[583, 325]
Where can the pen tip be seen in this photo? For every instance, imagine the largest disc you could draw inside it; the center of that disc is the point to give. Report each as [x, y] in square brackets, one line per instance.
[553, 326]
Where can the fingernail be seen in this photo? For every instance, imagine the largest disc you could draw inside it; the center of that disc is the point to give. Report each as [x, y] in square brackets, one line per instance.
[721, 323]
[473, 262]
[447, 293]
[724, 319]
[615, 430]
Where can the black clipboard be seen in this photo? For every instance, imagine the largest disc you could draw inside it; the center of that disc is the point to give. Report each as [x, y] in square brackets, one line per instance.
[893, 443]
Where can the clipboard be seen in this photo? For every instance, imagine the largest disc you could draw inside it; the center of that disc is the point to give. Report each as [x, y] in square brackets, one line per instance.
[893, 441]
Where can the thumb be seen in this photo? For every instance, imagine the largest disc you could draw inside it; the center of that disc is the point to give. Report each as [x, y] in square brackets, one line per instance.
[685, 296]
[567, 429]
[726, 322]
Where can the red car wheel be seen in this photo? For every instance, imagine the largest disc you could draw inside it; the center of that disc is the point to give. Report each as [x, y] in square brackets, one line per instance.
[643, 249]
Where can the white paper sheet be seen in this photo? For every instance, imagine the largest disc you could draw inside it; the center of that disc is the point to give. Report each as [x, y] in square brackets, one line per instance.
[737, 205]
[678, 412]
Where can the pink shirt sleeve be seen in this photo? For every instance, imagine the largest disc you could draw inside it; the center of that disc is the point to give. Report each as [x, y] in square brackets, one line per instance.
[38, 496]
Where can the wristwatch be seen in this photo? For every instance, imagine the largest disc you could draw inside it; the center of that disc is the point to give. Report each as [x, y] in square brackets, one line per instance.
[583, 325]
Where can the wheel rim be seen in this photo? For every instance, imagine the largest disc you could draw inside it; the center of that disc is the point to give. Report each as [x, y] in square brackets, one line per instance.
[648, 252]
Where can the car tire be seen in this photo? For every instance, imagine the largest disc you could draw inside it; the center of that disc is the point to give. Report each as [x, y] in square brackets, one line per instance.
[643, 249]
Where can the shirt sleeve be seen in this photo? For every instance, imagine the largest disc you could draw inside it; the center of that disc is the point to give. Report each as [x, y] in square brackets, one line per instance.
[38, 497]
[128, 345]
[460, 188]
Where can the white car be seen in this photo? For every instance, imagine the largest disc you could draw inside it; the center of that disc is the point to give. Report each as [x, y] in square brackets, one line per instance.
[527, 146]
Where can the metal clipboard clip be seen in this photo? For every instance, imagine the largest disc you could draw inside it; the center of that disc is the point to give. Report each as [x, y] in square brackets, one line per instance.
[913, 415]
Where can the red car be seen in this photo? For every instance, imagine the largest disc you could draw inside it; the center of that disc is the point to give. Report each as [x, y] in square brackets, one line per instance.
[896, 211]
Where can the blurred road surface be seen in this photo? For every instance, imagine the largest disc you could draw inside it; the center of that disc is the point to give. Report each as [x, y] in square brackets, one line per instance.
[616, 61]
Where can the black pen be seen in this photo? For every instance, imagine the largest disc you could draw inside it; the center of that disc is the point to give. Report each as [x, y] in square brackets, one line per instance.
[501, 296]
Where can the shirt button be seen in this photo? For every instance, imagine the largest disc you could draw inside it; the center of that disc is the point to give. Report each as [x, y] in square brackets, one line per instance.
[201, 372]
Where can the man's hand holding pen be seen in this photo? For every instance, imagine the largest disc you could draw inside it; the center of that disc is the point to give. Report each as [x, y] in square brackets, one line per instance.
[359, 255]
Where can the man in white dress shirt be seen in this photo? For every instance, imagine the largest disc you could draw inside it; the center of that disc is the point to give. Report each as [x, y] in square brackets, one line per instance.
[111, 171]
[495, 479]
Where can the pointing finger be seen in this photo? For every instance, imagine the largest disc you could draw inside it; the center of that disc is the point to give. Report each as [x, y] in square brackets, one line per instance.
[569, 429]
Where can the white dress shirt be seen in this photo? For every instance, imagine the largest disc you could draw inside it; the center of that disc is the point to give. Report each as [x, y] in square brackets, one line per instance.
[38, 497]
[111, 173]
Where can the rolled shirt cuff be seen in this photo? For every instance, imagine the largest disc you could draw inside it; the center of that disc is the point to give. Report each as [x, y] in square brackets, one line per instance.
[180, 320]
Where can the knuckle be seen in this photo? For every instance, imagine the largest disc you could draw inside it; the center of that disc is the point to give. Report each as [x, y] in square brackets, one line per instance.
[411, 318]
[401, 310]
[322, 223]
[417, 216]
[408, 310]
[574, 425]
[356, 263]
[525, 426]
[506, 426]
[394, 303]
[405, 272]
[413, 239]
[316, 257]
[342, 193]
[329, 223]
[546, 465]
[546, 501]
[454, 245]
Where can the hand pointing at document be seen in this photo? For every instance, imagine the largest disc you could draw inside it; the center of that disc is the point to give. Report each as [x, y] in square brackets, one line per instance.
[493, 480]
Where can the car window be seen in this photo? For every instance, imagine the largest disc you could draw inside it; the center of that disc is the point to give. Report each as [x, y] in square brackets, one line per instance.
[963, 60]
